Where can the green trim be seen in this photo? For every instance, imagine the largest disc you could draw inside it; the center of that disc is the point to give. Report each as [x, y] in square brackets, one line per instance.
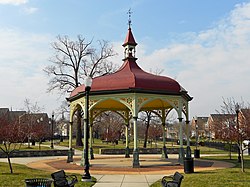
[130, 90]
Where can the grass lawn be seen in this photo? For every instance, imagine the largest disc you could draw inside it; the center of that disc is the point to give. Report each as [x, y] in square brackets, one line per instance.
[26, 147]
[209, 150]
[22, 172]
[98, 144]
[230, 177]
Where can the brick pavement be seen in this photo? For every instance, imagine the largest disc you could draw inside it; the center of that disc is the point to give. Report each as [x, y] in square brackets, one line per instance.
[152, 164]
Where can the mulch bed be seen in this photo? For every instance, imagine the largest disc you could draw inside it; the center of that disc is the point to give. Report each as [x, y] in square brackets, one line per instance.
[61, 164]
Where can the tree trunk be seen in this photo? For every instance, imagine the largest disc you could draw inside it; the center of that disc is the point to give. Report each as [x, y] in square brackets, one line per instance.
[242, 158]
[8, 156]
[146, 135]
[28, 142]
[78, 129]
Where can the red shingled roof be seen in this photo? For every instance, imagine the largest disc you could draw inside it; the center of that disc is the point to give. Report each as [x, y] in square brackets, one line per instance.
[131, 76]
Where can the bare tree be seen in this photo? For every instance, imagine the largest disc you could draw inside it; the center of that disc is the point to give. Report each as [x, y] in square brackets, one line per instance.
[224, 128]
[72, 61]
[147, 117]
[238, 127]
[31, 107]
[155, 132]
[33, 127]
[109, 126]
[156, 71]
[11, 136]
[63, 109]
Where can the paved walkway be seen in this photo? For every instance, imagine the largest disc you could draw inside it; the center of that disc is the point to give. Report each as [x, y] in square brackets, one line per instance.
[116, 171]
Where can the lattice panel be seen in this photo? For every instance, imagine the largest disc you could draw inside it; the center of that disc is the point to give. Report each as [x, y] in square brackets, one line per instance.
[92, 102]
[128, 100]
[175, 102]
[140, 100]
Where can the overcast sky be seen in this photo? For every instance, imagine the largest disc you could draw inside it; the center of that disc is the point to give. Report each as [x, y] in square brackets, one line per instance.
[204, 45]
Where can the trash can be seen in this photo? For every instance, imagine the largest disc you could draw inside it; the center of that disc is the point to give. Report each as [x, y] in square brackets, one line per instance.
[38, 182]
[33, 142]
[188, 165]
[196, 153]
[70, 155]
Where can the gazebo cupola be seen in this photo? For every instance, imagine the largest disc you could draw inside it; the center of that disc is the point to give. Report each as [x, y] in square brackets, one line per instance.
[129, 46]
[129, 43]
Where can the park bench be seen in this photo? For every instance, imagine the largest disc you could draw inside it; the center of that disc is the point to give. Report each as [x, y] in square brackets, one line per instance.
[38, 182]
[63, 180]
[172, 180]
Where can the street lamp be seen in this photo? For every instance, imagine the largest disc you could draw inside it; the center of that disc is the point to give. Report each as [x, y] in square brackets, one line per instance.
[237, 110]
[230, 138]
[196, 132]
[86, 176]
[164, 149]
[196, 151]
[52, 130]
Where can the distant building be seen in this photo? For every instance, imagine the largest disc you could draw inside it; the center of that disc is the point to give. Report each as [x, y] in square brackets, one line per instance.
[244, 123]
[217, 122]
[63, 126]
[34, 118]
[11, 115]
[39, 120]
[202, 127]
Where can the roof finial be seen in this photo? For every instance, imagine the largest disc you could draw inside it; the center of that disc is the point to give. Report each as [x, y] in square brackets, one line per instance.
[129, 18]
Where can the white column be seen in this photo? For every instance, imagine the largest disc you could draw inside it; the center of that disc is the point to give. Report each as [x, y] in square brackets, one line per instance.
[70, 151]
[181, 149]
[188, 132]
[136, 163]
[180, 132]
[70, 134]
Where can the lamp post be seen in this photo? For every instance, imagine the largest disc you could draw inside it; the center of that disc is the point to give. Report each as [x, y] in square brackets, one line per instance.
[237, 110]
[196, 132]
[164, 149]
[52, 131]
[196, 151]
[86, 176]
[230, 138]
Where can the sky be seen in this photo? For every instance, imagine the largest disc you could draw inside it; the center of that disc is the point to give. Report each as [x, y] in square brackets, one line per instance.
[204, 45]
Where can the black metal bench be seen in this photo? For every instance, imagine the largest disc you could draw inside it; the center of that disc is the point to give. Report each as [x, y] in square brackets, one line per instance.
[63, 180]
[172, 180]
[38, 182]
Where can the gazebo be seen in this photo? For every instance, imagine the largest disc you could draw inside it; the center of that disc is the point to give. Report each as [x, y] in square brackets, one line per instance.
[129, 91]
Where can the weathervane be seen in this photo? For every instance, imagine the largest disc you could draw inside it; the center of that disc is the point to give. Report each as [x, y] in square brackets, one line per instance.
[129, 17]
